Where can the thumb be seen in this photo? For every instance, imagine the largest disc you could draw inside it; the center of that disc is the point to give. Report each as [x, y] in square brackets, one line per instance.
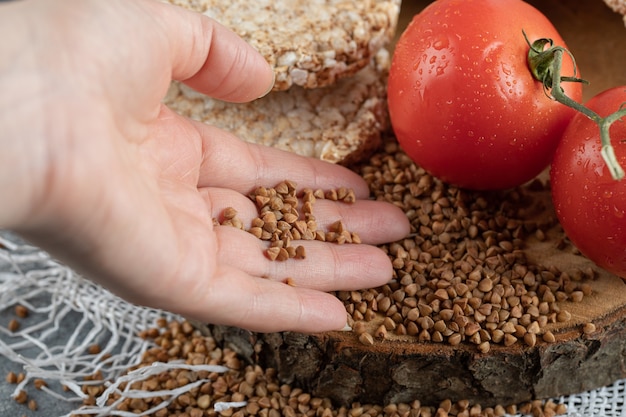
[212, 59]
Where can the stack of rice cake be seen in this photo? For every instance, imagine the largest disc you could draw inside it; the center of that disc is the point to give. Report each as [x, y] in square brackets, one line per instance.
[330, 62]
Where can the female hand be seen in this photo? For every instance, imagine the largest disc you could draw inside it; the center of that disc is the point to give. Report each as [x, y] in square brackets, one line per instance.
[122, 189]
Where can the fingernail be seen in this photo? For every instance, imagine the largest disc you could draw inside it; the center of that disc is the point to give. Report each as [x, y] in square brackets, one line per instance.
[346, 328]
[271, 87]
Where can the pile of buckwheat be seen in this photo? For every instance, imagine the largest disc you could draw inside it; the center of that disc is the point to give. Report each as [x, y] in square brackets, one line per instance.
[259, 388]
[462, 276]
[286, 215]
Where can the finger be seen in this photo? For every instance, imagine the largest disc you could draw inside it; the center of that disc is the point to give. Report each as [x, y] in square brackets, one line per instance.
[326, 267]
[217, 200]
[235, 298]
[375, 222]
[210, 58]
[232, 163]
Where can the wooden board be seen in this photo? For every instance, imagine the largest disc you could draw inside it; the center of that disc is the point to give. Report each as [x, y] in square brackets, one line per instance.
[399, 369]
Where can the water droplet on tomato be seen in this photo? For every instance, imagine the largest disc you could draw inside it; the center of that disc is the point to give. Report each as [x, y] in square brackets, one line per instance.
[585, 165]
[597, 169]
[440, 44]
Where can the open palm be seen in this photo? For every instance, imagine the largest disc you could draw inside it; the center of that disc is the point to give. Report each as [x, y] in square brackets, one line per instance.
[125, 190]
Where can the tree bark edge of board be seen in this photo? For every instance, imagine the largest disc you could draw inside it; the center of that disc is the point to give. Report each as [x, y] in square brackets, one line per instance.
[337, 366]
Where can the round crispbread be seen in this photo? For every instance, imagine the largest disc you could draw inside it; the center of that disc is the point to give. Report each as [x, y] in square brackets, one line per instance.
[309, 43]
[340, 123]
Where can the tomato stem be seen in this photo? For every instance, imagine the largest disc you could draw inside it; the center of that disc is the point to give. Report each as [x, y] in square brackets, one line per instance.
[545, 65]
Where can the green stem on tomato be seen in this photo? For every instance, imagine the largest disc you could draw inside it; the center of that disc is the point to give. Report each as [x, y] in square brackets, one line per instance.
[545, 65]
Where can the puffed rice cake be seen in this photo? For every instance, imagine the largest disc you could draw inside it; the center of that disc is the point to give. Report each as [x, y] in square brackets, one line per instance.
[310, 43]
[341, 123]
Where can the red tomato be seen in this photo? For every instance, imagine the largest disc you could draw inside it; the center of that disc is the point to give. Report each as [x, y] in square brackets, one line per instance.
[589, 203]
[463, 102]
